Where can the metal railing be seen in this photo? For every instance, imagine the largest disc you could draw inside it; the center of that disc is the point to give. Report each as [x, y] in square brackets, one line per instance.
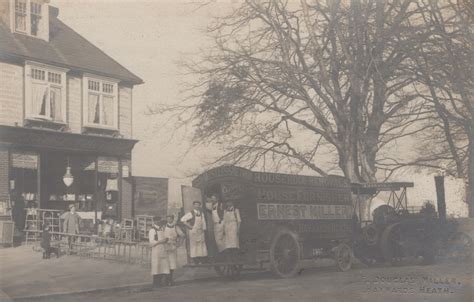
[106, 248]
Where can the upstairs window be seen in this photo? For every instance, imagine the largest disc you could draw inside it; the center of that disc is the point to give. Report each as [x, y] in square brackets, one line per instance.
[35, 18]
[28, 18]
[46, 93]
[20, 15]
[101, 103]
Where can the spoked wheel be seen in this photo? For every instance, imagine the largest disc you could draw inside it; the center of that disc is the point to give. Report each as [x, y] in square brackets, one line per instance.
[231, 271]
[343, 257]
[460, 246]
[371, 234]
[391, 244]
[285, 253]
[232, 268]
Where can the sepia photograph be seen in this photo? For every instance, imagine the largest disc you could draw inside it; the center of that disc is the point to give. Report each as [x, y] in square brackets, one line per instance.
[236, 150]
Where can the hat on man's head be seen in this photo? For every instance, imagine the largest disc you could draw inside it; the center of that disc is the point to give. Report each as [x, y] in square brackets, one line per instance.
[72, 206]
[170, 215]
[196, 202]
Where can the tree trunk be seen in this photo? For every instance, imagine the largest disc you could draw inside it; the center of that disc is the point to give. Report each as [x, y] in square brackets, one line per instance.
[350, 166]
[470, 176]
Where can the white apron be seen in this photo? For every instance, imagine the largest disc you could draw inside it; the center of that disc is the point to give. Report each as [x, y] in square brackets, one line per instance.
[159, 257]
[231, 231]
[218, 230]
[197, 240]
[172, 246]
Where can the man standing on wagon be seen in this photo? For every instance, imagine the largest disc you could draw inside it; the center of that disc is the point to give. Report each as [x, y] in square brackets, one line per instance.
[217, 211]
[196, 224]
[231, 228]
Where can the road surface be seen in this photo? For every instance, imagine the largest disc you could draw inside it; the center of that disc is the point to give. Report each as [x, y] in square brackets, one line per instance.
[441, 282]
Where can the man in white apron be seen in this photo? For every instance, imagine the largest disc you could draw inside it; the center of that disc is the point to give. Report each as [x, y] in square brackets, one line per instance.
[196, 224]
[173, 234]
[217, 211]
[231, 226]
[159, 258]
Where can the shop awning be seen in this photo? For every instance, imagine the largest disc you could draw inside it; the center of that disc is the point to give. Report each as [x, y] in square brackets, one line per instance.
[48, 139]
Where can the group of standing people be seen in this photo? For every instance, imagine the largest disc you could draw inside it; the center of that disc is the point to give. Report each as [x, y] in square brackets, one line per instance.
[226, 224]
[226, 220]
[164, 239]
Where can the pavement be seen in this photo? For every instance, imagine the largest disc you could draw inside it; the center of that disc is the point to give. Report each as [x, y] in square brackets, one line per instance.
[25, 275]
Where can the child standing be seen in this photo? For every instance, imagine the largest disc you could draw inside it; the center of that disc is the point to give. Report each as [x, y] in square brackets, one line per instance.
[46, 243]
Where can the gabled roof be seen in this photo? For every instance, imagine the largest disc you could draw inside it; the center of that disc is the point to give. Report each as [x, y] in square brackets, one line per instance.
[66, 48]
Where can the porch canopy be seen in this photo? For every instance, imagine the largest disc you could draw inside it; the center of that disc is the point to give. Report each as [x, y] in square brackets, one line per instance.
[49, 139]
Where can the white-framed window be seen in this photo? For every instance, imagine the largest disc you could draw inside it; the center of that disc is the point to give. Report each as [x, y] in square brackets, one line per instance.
[30, 17]
[21, 15]
[45, 92]
[100, 102]
[35, 18]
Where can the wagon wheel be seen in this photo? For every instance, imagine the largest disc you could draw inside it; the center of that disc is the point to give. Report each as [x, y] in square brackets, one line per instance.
[391, 244]
[460, 246]
[230, 271]
[285, 253]
[343, 257]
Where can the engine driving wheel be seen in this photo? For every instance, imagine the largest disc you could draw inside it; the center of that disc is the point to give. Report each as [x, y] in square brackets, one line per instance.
[391, 244]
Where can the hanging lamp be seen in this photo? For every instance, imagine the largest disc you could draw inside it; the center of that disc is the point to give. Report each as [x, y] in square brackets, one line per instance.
[68, 179]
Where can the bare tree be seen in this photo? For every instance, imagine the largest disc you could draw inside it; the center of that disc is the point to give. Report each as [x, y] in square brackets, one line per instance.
[288, 83]
[445, 68]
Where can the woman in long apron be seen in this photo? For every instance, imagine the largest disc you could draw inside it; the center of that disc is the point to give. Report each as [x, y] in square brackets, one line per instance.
[159, 258]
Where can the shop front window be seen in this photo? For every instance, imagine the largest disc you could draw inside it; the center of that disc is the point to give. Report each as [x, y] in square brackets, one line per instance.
[81, 192]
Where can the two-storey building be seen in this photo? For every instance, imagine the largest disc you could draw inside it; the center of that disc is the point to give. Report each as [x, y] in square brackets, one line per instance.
[65, 116]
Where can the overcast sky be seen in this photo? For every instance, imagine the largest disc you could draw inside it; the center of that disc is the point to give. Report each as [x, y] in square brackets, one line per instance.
[149, 38]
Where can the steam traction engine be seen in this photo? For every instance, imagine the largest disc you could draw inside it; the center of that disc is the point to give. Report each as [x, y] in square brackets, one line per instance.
[399, 232]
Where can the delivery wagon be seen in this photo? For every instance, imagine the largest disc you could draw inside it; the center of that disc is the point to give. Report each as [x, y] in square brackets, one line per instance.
[284, 219]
